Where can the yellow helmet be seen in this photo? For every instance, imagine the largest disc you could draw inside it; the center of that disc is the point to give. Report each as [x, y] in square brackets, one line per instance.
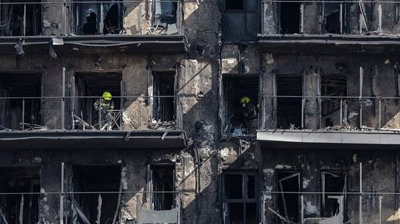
[245, 99]
[107, 95]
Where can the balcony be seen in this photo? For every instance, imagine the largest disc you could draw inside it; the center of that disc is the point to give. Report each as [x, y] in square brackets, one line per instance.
[85, 26]
[329, 27]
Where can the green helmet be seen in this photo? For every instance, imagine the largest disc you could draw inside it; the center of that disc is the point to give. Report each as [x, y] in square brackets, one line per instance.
[107, 96]
[245, 99]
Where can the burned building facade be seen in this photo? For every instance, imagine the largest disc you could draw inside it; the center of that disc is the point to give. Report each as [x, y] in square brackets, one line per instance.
[177, 145]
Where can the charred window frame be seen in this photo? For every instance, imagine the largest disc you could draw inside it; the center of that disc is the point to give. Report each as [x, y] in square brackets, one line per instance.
[24, 207]
[240, 198]
[335, 86]
[333, 184]
[163, 95]
[23, 19]
[161, 186]
[234, 87]
[20, 113]
[241, 20]
[164, 12]
[291, 17]
[288, 202]
[93, 18]
[97, 199]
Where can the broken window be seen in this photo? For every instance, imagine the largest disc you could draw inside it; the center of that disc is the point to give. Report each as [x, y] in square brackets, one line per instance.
[334, 15]
[91, 17]
[240, 198]
[95, 207]
[239, 120]
[163, 186]
[19, 208]
[289, 14]
[163, 92]
[19, 113]
[289, 92]
[20, 19]
[89, 88]
[288, 202]
[332, 85]
[332, 181]
[241, 20]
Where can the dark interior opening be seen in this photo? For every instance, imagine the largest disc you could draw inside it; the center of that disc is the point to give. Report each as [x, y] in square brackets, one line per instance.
[93, 18]
[332, 85]
[163, 92]
[233, 186]
[97, 179]
[12, 18]
[290, 17]
[236, 87]
[20, 180]
[12, 110]
[289, 108]
[332, 24]
[288, 203]
[334, 182]
[163, 185]
[234, 5]
[93, 85]
[240, 198]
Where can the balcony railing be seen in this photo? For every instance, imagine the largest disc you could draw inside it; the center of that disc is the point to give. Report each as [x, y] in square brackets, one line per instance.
[332, 17]
[132, 17]
[88, 113]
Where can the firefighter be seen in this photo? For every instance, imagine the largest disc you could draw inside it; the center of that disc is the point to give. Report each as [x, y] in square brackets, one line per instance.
[250, 117]
[105, 105]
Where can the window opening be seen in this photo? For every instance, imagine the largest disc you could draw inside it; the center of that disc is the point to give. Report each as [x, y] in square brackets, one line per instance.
[16, 206]
[289, 108]
[163, 186]
[18, 113]
[12, 17]
[163, 92]
[91, 179]
[93, 18]
[241, 20]
[332, 181]
[290, 17]
[288, 203]
[88, 108]
[241, 118]
[332, 85]
[240, 205]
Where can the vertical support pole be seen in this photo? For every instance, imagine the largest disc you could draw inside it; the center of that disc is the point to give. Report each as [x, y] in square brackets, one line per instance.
[64, 15]
[380, 209]
[23, 114]
[302, 111]
[341, 18]
[263, 208]
[319, 97]
[379, 112]
[302, 208]
[100, 108]
[341, 112]
[61, 215]
[360, 202]
[360, 22]
[101, 25]
[361, 94]
[24, 20]
[121, 102]
[302, 18]
[380, 17]
[63, 101]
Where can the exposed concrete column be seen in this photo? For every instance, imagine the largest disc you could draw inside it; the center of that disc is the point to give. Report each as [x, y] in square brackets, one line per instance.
[310, 18]
[310, 183]
[268, 178]
[311, 103]
[269, 90]
[269, 18]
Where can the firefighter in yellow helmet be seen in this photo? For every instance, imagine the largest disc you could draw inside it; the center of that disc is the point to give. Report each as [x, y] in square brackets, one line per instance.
[105, 105]
[250, 117]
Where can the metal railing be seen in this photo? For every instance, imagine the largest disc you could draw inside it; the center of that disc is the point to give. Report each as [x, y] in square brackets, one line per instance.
[102, 206]
[92, 113]
[91, 17]
[332, 17]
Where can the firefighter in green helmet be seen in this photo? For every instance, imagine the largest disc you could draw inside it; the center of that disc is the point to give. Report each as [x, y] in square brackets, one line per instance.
[250, 117]
[105, 105]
